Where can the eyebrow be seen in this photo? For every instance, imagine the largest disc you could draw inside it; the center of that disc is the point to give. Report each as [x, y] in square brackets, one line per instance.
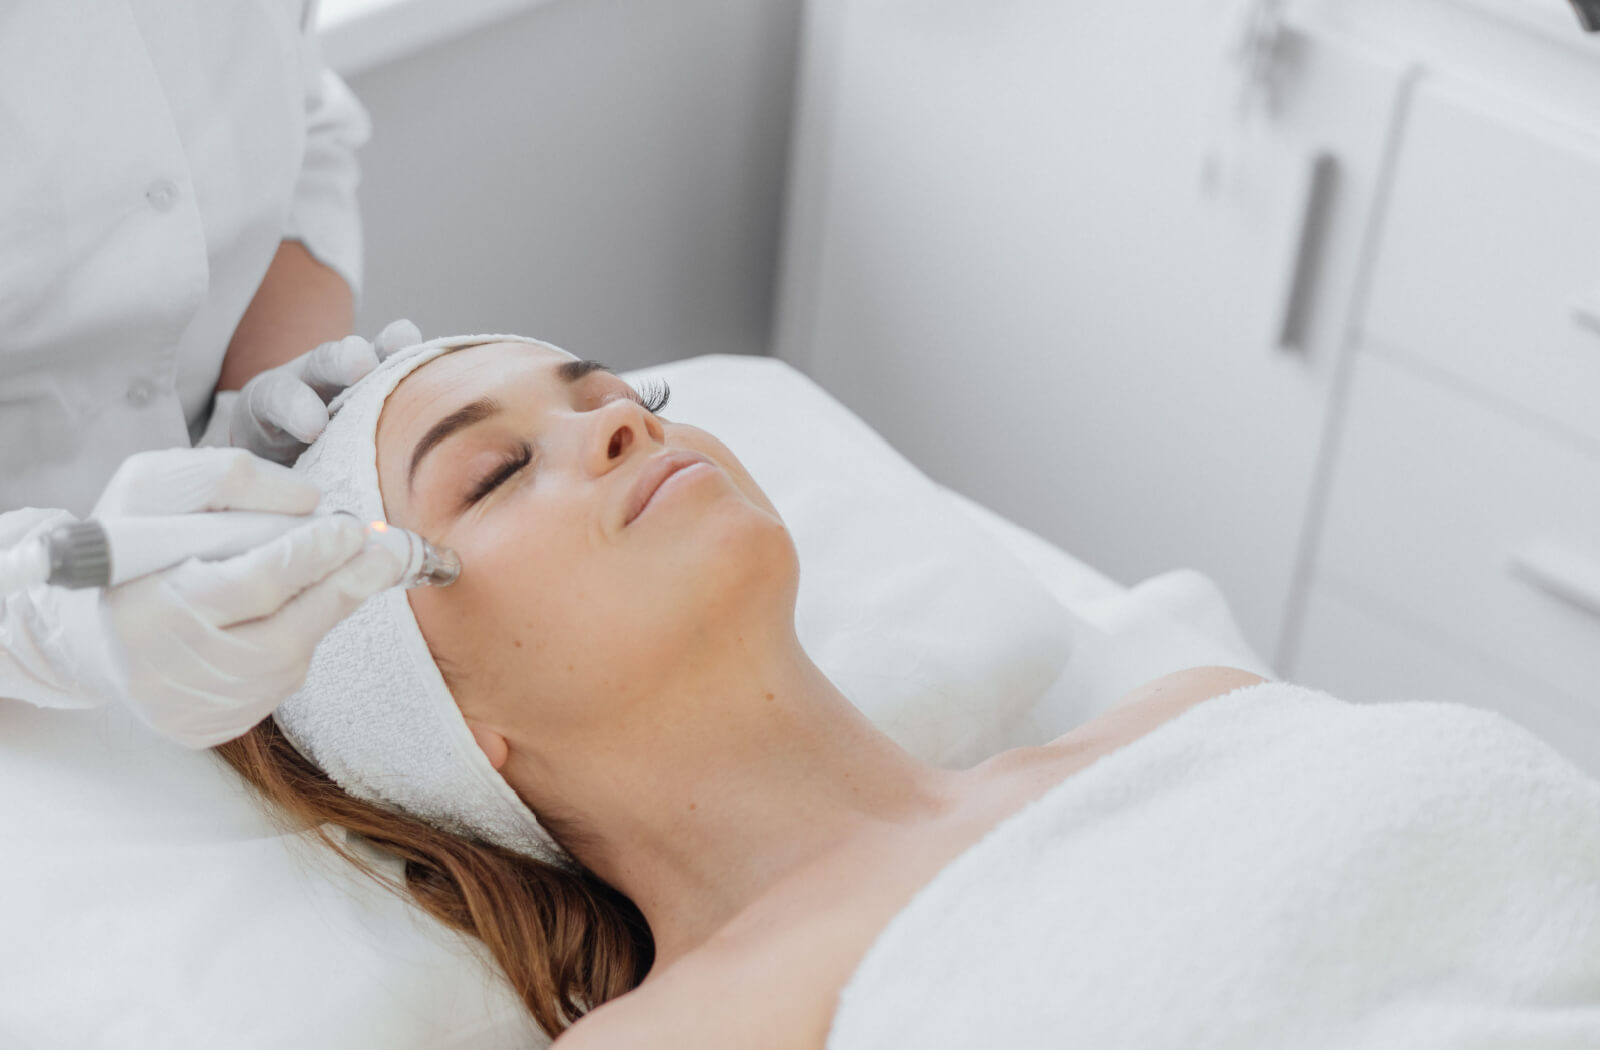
[486, 407]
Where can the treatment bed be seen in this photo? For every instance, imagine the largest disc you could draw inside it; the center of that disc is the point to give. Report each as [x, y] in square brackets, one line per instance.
[148, 901]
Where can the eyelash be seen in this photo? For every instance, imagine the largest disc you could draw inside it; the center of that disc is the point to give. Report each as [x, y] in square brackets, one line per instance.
[657, 397]
[653, 401]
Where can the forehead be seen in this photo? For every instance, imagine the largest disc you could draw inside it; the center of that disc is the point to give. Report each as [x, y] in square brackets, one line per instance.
[453, 379]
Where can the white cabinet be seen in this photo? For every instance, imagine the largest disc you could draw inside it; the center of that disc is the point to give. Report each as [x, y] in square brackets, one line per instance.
[1461, 537]
[1422, 586]
[1438, 503]
[1488, 266]
[1358, 649]
[1000, 253]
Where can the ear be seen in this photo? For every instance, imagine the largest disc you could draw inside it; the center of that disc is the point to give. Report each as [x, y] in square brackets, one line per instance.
[493, 744]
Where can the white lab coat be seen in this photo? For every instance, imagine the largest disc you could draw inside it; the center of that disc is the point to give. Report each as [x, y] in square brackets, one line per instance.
[153, 154]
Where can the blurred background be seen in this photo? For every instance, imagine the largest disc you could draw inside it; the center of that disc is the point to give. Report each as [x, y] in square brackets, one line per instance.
[1304, 295]
[604, 174]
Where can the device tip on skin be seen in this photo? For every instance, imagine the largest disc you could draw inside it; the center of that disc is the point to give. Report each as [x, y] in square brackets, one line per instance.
[426, 564]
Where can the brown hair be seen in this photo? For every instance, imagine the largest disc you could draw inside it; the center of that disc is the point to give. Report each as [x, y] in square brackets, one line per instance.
[566, 940]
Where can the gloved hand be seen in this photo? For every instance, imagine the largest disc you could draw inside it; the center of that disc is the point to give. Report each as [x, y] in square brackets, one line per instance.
[205, 650]
[282, 410]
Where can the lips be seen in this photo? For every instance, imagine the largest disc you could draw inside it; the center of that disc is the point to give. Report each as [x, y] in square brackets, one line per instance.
[660, 467]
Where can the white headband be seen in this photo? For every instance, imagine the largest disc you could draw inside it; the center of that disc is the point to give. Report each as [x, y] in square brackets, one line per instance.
[374, 712]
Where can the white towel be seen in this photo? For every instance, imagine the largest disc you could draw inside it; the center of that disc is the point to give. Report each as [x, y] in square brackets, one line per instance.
[374, 712]
[1273, 868]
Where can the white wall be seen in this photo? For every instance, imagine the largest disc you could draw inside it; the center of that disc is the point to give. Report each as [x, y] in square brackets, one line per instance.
[607, 174]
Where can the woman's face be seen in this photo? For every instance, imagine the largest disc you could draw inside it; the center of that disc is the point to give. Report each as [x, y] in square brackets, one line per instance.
[566, 614]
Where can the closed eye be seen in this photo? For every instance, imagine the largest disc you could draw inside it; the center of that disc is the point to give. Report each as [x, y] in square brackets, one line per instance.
[508, 466]
[658, 392]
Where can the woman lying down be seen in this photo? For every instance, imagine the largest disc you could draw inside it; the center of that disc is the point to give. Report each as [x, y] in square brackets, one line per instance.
[604, 753]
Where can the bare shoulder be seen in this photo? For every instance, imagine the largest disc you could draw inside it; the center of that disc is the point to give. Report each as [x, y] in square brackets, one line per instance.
[1188, 687]
[777, 989]
[716, 1000]
[632, 1021]
[1160, 700]
[1032, 770]
[661, 1013]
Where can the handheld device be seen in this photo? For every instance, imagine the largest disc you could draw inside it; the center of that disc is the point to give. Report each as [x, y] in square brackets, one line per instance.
[108, 551]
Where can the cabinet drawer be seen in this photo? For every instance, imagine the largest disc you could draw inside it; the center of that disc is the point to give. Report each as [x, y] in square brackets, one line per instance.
[1361, 653]
[1432, 497]
[1488, 265]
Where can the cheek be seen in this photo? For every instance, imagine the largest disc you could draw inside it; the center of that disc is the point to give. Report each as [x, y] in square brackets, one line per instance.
[485, 643]
[529, 599]
[507, 577]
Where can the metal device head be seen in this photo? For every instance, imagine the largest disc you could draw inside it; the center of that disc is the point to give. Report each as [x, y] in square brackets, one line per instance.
[426, 565]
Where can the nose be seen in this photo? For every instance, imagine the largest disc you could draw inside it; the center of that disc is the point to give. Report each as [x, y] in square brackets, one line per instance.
[622, 428]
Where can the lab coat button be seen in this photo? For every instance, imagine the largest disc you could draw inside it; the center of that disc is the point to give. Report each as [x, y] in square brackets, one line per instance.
[140, 391]
[162, 194]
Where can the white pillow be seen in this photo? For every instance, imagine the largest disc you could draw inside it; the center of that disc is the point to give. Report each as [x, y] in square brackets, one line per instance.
[1126, 635]
[146, 900]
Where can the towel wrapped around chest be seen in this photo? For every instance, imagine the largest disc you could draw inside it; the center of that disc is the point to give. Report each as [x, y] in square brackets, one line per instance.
[1273, 868]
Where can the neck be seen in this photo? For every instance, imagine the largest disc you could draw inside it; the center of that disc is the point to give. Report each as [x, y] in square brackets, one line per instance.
[739, 786]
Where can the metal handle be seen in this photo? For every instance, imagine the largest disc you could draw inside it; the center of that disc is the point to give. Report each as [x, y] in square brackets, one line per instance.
[1315, 210]
[1560, 571]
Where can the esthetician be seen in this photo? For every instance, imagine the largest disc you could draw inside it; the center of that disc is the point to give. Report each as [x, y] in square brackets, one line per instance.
[180, 249]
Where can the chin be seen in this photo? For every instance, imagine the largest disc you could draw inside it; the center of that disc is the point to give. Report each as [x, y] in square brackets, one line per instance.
[738, 556]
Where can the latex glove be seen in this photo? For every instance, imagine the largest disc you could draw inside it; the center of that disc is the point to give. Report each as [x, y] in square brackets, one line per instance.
[282, 410]
[205, 650]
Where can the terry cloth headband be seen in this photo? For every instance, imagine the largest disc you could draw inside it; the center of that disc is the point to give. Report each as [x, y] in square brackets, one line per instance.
[374, 712]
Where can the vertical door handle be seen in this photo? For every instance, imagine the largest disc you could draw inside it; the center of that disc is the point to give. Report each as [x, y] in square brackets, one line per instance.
[1316, 206]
